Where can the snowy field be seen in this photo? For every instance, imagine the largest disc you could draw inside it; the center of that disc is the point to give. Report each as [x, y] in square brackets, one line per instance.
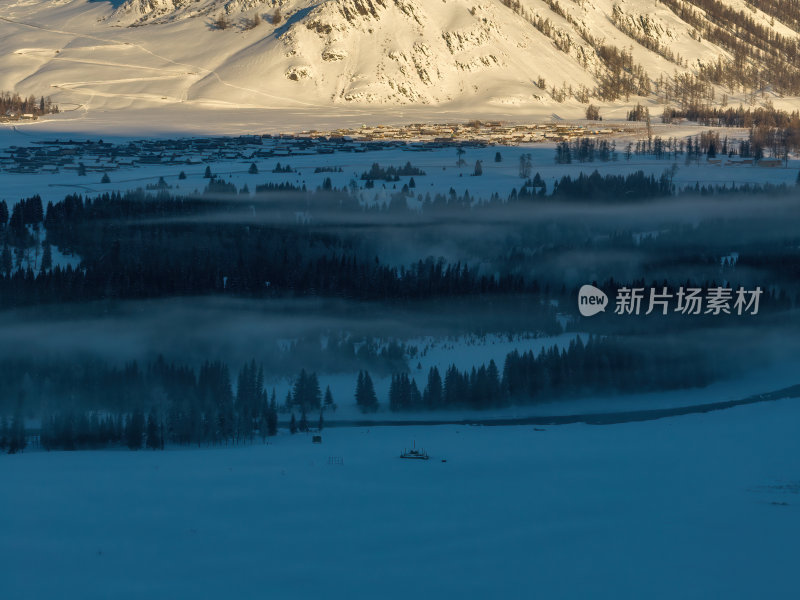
[440, 166]
[701, 506]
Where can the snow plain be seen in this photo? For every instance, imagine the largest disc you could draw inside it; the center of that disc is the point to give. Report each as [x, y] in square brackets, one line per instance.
[442, 172]
[695, 507]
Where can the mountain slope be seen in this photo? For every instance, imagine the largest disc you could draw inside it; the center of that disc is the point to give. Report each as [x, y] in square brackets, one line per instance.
[306, 53]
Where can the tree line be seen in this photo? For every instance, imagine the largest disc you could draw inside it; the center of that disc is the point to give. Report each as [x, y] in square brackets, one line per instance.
[599, 365]
[390, 173]
[128, 252]
[201, 407]
[762, 140]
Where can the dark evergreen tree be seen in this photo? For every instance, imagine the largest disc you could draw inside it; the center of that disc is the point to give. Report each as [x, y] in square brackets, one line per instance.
[328, 402]
[394, 394]
[3, 214]
[366, 399]
[5, 433]
[272, 416]
[493, 387]
[432, 395]
[135, 430]
[16, 438]
[306, 393]
[7, 263]
[47, 257]
[359, 395]
[153, 434]
[303, 425]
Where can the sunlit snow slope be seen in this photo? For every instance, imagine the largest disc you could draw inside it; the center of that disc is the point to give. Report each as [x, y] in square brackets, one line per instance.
[514, 55]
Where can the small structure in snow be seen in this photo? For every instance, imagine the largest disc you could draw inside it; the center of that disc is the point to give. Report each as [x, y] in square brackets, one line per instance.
[769, 162]
[414, 453]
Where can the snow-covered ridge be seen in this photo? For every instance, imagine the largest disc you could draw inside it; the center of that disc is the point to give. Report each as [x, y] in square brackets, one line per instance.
[137, 12]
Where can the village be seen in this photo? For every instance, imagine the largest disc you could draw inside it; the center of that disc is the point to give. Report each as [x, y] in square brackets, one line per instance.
[488, 132]
[84, 156]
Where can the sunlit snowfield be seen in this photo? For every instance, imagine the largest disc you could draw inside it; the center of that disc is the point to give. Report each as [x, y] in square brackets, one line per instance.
[700, 506]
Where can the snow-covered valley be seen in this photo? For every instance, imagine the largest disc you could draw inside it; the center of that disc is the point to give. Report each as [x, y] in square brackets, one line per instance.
[251, 251]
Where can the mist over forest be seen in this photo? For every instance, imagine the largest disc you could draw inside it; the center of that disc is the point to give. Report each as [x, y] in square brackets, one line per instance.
[287, 282]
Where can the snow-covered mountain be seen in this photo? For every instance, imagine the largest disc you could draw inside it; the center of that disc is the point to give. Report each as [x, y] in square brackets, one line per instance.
[508, 54]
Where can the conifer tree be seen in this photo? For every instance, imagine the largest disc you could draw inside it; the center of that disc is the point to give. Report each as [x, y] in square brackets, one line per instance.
[7, 263]
[394, 394]
[5, 433]
[134, 430]
[432, 394]
[366, 399]
[303, 426]
[16, 437]
[153, 435]
[47, 257]
[272, 416]
[329, 403]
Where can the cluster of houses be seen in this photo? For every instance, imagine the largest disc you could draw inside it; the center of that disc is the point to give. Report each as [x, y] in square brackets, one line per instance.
[56, 156]
[12, 115]
[486, 132]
